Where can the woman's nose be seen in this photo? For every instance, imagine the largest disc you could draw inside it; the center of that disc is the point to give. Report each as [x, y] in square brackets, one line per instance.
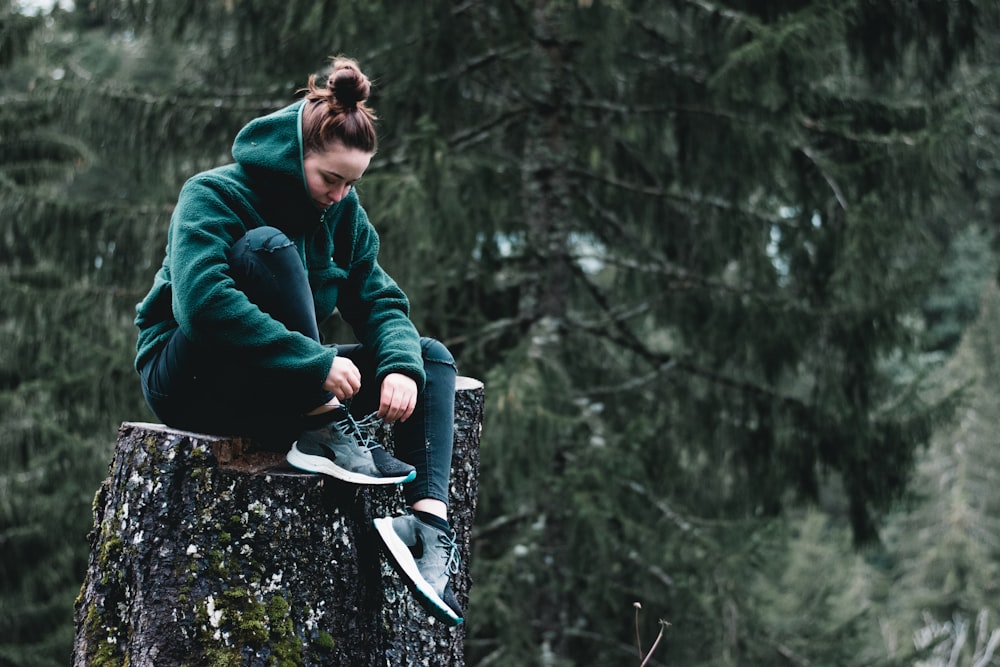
[337, 194]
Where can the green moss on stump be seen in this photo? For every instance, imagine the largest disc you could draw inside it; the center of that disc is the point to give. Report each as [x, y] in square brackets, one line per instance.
[106, 652]
[237, 621]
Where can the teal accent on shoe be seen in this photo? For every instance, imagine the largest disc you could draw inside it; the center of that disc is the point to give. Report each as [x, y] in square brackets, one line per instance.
[342, 450]
[426, 558]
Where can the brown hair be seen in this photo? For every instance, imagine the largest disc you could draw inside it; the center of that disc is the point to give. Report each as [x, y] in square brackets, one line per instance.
[337, 113]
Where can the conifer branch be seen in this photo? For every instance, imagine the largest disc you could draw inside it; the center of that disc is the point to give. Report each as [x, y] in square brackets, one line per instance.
[685, 525]
[660, 109]
[465, 137]
[664, 362]
[189, 101]
[687, 198]
[659, 265]
[499, 523]
[622, 336]
[790, 655]
[685, 70]
[811, 155]
[725, 12]
[894, 139]
[991, 647]
[493, 330]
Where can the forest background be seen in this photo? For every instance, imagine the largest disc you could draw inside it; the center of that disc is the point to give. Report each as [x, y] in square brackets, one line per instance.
[727, 268]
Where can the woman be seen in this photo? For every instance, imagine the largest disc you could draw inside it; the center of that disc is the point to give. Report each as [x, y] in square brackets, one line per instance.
[258, 253]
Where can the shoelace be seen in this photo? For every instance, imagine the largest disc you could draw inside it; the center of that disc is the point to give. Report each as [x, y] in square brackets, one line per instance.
[360, 430]
[448, 542]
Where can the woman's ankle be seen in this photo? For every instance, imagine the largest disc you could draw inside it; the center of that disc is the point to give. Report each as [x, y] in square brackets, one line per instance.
[323, 409]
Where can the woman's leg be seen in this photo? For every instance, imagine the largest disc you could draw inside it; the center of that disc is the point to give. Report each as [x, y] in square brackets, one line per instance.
[421, 545]
[267, 268]
[208, 390]
[425, 440]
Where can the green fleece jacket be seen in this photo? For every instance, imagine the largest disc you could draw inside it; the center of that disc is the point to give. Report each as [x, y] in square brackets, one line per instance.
[339, 248]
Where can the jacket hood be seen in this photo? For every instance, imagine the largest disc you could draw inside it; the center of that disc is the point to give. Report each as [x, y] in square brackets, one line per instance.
[269, 150]
[273, 143]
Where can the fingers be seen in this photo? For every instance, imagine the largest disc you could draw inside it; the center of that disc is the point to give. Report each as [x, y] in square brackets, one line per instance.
[343, 390]
[344, 378]
[398, 398]
[396, 407]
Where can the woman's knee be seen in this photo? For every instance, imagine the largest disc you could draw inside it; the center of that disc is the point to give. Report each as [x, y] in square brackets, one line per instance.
[436, 351]
[264, 247]
[268, 239]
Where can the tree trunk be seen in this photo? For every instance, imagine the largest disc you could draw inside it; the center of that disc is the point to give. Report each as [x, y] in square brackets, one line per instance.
[207, 551]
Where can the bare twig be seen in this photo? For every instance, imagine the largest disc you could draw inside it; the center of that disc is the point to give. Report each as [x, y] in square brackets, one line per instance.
[991, 648]
[663, 626]
[638, 637]
[815, 159]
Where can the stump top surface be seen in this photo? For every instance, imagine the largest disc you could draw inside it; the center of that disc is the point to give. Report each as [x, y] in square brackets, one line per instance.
[231, 452]
[465, 383]
[163, 428]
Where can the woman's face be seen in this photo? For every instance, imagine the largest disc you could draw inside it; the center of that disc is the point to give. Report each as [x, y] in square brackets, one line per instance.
[331, 173]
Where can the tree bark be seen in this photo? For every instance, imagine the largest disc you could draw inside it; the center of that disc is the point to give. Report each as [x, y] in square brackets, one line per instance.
[208, 551]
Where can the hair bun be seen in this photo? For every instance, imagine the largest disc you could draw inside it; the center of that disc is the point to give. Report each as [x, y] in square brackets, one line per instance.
[336, 113]
[349, 86]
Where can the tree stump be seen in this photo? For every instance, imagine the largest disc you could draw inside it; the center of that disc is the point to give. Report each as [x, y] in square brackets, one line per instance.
[208, 551]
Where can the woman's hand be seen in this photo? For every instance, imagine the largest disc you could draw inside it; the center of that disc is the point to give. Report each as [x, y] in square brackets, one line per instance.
[344, 378]
[398, 398]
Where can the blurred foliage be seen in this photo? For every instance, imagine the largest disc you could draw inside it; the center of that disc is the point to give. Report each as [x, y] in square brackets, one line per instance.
[945, 541]
[711, 259]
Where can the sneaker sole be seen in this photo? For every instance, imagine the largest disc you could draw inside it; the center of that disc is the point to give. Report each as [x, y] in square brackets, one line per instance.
[402, 561]
[323, 465]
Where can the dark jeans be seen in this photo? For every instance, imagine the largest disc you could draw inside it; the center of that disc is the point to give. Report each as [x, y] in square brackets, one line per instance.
[209, 390]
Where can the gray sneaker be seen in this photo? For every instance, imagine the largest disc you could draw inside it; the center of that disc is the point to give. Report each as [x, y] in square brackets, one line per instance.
[426, 558]
[343, 449]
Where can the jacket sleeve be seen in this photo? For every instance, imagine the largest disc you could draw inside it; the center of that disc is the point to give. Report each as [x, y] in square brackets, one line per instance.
[206, 303]
[377, 309]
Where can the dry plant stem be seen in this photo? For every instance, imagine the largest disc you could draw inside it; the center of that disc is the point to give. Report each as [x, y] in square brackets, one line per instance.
[663, 626]
[638, 639]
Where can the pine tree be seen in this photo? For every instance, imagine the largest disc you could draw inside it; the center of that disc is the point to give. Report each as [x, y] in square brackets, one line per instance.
[945, 545]
[685, 243]
[738, 279]
[813, 596]
[61, 376]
